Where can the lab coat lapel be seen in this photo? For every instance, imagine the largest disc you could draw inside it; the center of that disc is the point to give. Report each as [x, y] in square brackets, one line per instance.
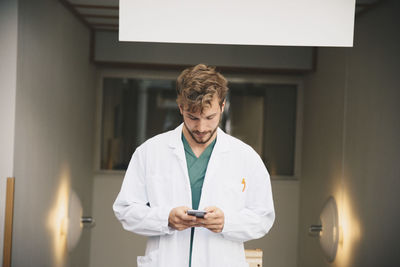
[178, 150]
[214, 165]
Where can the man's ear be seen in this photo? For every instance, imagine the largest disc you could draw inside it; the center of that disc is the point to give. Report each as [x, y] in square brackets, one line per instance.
[180, 109]
[223, 106]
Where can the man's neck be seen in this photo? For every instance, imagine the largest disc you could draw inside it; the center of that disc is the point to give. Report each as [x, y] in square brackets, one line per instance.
[196, 147]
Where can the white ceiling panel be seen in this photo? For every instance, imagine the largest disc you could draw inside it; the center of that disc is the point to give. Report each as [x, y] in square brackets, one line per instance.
[251, 22]
[107, 11]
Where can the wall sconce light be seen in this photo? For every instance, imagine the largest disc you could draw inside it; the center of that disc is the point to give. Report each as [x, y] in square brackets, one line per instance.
[327, 230]
[76, 222]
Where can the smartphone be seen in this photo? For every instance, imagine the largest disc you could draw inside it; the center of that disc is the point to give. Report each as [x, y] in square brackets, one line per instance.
[197, 213]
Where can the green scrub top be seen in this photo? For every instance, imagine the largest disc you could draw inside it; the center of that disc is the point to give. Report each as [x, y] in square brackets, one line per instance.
[197, 167]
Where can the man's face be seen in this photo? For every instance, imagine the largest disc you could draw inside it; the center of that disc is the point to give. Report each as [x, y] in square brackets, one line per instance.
[203, 126]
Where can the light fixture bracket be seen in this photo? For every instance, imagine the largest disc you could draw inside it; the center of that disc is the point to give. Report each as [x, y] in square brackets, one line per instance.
[327, 230]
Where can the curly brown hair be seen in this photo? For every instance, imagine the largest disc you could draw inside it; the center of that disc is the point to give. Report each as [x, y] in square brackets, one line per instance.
[196, 87]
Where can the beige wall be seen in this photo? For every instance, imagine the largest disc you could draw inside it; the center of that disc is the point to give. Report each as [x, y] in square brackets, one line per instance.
[322, 147]
[351, 145]
[53, 134]
[111, 245]
[280, 244]
[8, 80]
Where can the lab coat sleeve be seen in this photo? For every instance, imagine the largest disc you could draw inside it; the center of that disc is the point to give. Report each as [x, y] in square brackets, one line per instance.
[131, 206]
[257, 217]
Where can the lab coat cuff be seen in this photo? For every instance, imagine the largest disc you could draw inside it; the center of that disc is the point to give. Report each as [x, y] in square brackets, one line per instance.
[164, 216]
[229, 224]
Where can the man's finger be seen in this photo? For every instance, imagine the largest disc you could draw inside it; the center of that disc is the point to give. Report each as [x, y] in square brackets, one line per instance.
[186, 217]
[210, 209]
[210, 222]
[210, 216]
[183, 216]
[213, 215]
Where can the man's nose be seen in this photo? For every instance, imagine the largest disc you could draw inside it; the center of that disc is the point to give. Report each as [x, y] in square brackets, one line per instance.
[201, 126]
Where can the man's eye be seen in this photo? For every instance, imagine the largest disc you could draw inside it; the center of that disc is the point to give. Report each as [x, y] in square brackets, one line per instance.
[210, 118]
[192, 118]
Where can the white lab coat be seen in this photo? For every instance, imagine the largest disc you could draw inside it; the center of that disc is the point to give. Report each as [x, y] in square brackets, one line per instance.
[157, 180]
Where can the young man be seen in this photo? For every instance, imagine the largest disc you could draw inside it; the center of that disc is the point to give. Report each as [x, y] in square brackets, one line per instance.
[196, 166]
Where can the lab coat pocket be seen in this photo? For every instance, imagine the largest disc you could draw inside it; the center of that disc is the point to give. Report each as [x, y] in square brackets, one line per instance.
[236, 195]
[150, 260]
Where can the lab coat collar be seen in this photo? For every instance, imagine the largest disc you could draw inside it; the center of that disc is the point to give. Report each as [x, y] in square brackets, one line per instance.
[222, 144]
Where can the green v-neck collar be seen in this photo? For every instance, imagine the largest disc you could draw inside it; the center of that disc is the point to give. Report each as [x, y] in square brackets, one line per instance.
[206, 153]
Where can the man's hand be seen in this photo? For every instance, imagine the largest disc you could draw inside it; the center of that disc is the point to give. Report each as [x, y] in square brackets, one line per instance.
[213, 220]
[179, 220]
